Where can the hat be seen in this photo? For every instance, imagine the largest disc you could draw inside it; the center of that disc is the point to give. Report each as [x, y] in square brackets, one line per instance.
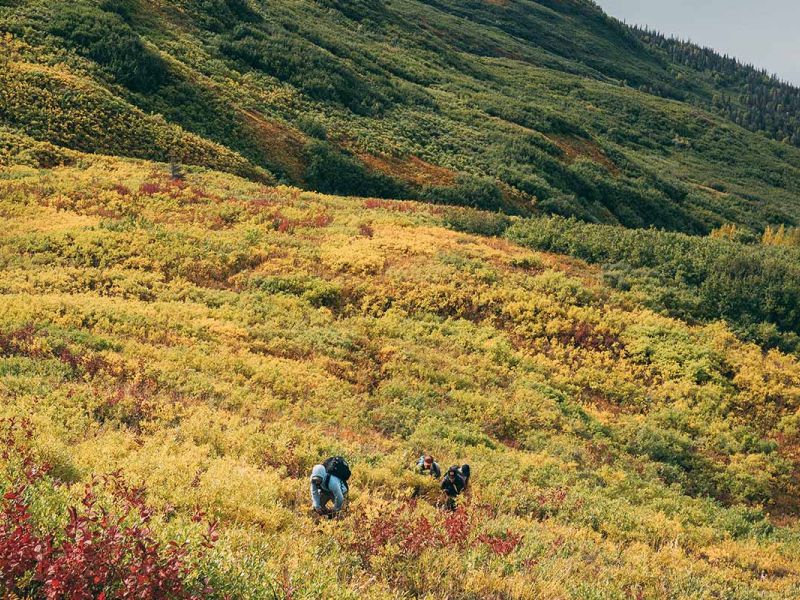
[318, 472]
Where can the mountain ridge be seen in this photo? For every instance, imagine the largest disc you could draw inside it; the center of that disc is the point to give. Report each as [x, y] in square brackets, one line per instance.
[543, 69]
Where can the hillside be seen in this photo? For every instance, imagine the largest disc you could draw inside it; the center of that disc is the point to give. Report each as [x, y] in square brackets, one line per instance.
[238, 237]
[527, 107]
[746, 95]
[190, 348]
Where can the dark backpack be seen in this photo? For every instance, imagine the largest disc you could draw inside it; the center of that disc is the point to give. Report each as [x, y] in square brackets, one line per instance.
[337, 466]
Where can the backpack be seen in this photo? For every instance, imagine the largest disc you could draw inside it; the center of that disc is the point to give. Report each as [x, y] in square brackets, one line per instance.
[337, 466]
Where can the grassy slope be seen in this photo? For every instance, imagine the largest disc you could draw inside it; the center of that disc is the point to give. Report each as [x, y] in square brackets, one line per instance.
[213, 340]
[516, 105]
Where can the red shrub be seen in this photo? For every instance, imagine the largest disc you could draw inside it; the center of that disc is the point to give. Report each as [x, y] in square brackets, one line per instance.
[21, 550]
[20, 341]
[97, 555]
[106, 213]
[395, 205]
[68, 357]
[13, 341]
[553, 498]
[366, 230]
[100, 556]
[414, 534]
[15, 436]
[260, 205]
[377, 535]
[502, 544]
[599, 453]
[93, 364]
[457, 527]
[422, 535]
[282, 224]
[122, 190]
[200, 194]
[148, 188]
[287, 225]
[550, 503]
[321, 220]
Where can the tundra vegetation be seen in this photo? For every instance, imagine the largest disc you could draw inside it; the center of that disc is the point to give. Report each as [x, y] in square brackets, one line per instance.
[239, 236]
[176, 354]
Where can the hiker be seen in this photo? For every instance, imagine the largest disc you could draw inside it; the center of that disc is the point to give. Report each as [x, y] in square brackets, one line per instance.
[426, 464]
[329, 484]
[455, 482]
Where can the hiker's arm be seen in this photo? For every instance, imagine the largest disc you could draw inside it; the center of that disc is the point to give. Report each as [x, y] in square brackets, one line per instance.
[338, 494]
[435, 470]
[315, 500]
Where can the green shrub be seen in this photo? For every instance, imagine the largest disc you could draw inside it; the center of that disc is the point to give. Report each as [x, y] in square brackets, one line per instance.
[332, 171]
[756, 288]
[315, 291]
[320, 74]
[469, 220]
[106, 39]
[477, 192]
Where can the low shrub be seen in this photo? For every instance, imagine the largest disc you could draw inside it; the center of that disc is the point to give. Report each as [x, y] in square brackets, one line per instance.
[480, 222]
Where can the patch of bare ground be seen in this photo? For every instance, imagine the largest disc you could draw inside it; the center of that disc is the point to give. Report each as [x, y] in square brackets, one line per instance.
[410, 169]
[575, 147]
[282, 145]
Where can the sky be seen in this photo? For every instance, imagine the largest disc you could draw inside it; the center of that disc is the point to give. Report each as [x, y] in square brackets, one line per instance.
[765, 33]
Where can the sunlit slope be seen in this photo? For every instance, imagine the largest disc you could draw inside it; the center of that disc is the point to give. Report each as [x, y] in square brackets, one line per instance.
[212, 339]
[520, 106]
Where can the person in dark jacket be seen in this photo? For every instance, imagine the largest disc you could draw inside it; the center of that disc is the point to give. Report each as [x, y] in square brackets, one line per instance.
[454, 483]
[426, 464]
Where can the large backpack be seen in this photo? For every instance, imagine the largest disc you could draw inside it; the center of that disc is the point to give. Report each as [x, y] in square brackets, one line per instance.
[337, 466]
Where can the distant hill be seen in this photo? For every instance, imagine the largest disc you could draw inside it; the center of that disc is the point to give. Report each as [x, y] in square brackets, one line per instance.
[751, 97]
[520, 106]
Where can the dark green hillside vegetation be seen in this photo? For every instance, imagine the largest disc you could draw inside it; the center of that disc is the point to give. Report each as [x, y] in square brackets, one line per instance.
[520, 106]
[748, 96]
[754, 287]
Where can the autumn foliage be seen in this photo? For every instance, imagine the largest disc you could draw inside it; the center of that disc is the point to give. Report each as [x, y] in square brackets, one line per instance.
[97, 554]
[176, 356]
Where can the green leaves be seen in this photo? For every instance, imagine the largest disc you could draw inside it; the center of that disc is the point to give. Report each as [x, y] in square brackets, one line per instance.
[750, 285]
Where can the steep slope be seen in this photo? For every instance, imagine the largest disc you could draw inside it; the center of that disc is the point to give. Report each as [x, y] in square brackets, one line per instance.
[744, 94]
[520, 106]
[190, 348]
